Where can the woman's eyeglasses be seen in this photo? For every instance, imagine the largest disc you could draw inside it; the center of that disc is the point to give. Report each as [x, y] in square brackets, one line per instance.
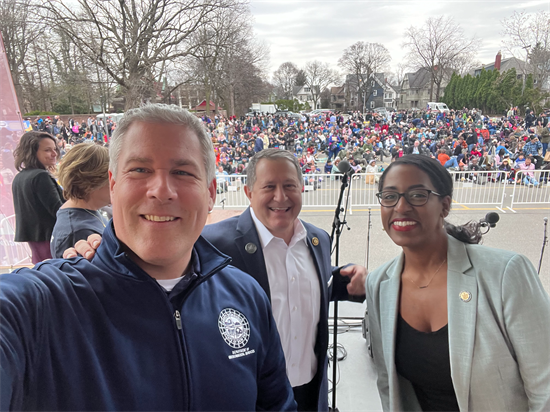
[415, 197]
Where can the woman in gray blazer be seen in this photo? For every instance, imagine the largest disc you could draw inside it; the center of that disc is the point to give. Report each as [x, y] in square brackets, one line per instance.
[454, 325]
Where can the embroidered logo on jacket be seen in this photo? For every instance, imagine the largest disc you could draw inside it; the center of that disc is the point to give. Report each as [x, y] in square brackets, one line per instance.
[234, 328]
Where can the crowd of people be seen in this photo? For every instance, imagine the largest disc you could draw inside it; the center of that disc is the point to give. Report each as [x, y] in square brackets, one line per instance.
[461, 140]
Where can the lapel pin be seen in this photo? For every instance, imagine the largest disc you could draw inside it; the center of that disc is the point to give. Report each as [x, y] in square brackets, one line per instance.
[465, 296]
[315, 241]
[251, 248]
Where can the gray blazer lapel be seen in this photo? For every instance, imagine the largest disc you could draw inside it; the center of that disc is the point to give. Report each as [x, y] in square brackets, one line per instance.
[389, 305]
[462, 298]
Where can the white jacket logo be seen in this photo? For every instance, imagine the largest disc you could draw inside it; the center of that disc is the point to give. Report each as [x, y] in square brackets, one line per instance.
[234, 328]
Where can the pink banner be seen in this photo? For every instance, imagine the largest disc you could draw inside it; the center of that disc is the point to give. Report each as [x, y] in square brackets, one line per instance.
[11, 129]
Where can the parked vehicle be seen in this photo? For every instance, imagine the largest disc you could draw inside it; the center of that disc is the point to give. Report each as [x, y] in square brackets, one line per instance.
[440, 107]
[263, 108]
[317, 112]
[288, 114]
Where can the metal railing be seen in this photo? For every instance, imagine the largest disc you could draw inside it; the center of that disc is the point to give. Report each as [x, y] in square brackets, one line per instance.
[531, 187]
[322, 190]
[12, 253]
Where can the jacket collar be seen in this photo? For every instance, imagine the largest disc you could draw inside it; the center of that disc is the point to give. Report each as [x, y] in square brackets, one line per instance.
[111, 257]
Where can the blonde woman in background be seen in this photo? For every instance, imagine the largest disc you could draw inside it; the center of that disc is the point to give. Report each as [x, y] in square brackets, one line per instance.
[83, 174]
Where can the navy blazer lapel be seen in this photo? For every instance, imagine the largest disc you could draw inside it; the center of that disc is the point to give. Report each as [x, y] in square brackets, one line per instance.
[322, 269]
[462, 296]
[254, 262]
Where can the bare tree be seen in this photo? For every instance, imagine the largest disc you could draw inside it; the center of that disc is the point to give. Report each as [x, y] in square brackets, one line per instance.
[213, 42]
[439, 45]
[244, 74]
[20, 29]
[363, 60]
[284, 78]
[132, 41]
[529, 35]
[398, 75]
[318, 77]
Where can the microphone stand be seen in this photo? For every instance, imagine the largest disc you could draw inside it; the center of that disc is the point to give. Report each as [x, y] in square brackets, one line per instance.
[335, 240]
[544, 243]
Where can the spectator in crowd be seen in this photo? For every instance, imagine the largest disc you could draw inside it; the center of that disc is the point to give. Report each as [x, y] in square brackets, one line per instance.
[532, 149]
[446, 161]
[258, 144]
[221, 179]
[370, 172]
[527, 174]
[506, 169]
[475, 168]
[335, 171]
[36, 195]
[83, 175]
[544, 134]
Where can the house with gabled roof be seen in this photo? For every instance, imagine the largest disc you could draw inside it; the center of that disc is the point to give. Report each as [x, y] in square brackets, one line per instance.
[415, 89]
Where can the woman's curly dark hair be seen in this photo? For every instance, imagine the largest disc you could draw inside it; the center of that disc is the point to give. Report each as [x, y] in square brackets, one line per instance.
[25, 152]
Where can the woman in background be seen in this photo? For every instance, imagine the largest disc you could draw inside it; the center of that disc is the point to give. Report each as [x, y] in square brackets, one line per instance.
[36, 194]
[454, 325]
[83, 174]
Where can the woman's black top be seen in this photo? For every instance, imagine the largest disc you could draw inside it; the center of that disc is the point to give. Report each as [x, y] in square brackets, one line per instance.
[36, 199]
[423, 359]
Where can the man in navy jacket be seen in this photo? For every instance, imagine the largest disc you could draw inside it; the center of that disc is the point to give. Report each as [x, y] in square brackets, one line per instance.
[158, 320]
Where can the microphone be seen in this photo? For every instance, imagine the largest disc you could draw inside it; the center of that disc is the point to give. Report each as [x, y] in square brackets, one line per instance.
[344, 167]
[490, 220]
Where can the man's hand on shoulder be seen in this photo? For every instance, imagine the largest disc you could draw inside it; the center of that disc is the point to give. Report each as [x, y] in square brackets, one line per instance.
[358, 276]
[84, 248]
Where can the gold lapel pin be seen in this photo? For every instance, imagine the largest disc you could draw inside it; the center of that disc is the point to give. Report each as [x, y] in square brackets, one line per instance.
[315, 241]
[251, 248]
[465, 296]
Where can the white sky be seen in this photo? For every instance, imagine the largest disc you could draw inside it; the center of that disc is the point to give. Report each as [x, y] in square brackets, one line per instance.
[304, 30]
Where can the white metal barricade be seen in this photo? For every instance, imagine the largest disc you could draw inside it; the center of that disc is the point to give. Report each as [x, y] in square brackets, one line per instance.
[322, 190]
[479, 188]
[12, 253]
[533, 190]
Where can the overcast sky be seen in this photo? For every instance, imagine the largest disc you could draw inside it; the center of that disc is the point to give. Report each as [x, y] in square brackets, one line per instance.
[304, 30]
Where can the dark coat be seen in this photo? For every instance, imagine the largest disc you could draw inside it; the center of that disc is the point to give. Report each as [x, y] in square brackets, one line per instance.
[231, 237]
[36, 199]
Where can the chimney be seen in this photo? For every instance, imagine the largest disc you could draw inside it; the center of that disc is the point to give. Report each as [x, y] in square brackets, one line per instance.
[497, 60]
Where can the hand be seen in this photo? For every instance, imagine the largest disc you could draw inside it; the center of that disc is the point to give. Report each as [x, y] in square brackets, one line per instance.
[358, 276]
[84, 248]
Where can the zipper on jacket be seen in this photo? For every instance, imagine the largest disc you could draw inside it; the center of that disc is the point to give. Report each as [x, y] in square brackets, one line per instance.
[177, 316]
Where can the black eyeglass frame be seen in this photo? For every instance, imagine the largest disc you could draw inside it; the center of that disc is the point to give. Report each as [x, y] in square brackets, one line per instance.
[405, 195]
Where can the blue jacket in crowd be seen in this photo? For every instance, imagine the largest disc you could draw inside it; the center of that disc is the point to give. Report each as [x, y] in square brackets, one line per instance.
[104, 336]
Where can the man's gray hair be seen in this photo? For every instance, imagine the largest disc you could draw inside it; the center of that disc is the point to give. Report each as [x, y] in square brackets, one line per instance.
[271, 154]
[163, 113]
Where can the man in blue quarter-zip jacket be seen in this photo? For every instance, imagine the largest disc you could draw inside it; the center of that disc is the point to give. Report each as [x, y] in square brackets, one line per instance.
[158, 320]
